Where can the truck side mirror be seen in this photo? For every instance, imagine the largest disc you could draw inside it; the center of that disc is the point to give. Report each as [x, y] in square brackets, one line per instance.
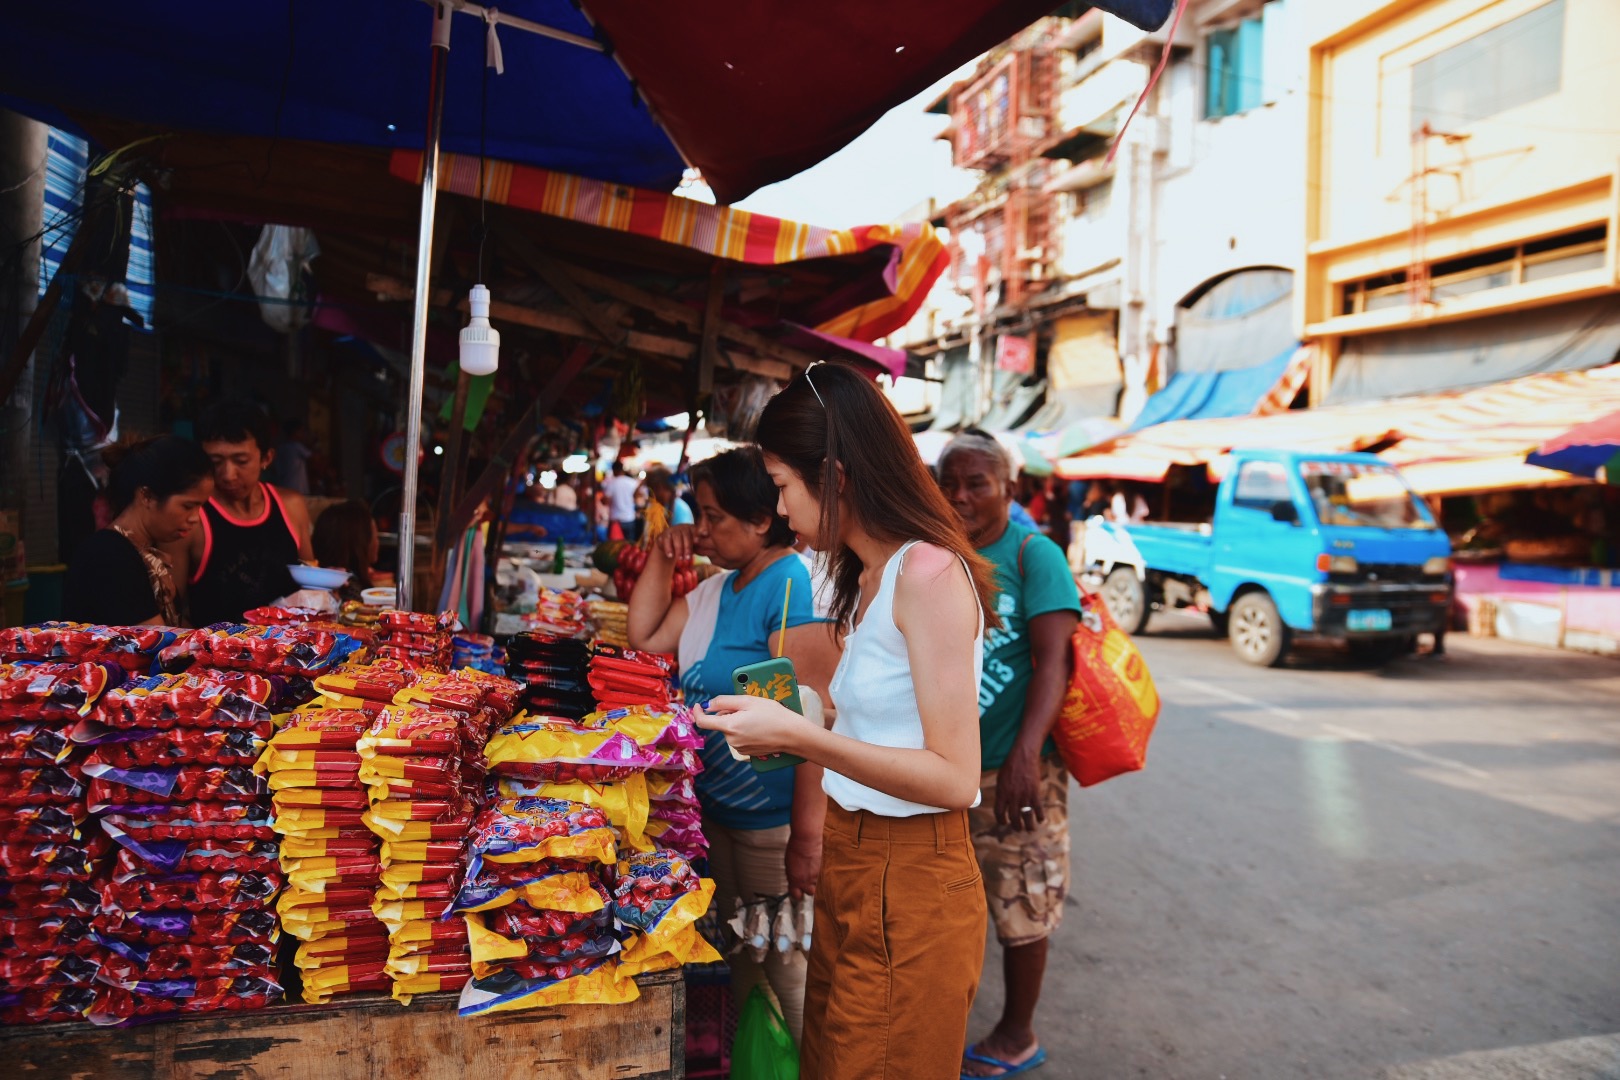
[1284, 511]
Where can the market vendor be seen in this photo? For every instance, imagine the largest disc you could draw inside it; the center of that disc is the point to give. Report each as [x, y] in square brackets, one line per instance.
[251, 531]
[764, 828]
[119, 576]
[1021, 829]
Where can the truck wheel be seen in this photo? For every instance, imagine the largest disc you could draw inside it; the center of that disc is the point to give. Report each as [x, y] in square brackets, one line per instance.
[1258, 633]
[1127, 600]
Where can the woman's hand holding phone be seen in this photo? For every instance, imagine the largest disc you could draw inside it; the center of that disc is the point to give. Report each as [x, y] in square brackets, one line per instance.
[755, 726]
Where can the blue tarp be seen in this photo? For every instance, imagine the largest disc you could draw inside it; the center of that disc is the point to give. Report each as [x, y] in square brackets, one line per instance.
[1206, 395]
[354, 72]
[754, 90]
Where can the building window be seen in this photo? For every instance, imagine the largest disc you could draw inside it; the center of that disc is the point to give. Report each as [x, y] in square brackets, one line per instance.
[1504, 67]
[1091, 203]
[1234, 70]
[1535, 260]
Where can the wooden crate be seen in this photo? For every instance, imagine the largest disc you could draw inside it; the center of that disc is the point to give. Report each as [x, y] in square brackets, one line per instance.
[372, 1038]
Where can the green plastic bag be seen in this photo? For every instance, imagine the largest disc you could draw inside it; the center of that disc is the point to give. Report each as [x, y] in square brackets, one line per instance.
[763, 1049]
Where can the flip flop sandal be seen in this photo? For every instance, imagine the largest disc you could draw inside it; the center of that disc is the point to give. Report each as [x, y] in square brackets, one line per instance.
[1036, 1060]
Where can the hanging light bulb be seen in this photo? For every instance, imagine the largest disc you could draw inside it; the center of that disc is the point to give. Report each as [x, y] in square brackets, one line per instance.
[480, 342]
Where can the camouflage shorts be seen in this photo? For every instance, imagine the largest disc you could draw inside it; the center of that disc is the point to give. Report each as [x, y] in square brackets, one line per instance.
[1026, 874]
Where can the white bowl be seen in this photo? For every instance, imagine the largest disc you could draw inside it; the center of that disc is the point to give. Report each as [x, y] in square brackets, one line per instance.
[317, 577]
[379, 597]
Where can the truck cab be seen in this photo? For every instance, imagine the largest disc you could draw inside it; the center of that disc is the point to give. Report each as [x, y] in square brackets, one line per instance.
[1328, 545]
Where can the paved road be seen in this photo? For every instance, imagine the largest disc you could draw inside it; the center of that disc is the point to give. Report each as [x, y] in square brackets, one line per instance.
[1332, 871]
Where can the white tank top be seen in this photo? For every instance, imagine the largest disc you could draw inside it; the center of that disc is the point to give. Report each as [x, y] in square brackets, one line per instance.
[876, 698]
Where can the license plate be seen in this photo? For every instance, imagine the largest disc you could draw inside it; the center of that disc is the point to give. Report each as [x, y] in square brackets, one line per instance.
[1369, 620]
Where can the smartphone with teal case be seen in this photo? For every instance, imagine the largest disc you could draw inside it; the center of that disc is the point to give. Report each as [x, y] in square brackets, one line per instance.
[773, 679]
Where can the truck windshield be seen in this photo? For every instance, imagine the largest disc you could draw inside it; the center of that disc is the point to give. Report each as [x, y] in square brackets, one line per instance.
[1359, 494]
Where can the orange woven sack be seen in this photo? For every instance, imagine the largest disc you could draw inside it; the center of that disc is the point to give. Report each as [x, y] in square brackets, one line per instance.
[1111, 704]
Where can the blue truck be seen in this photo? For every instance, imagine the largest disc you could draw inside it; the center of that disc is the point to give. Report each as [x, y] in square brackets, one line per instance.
[1328, 545]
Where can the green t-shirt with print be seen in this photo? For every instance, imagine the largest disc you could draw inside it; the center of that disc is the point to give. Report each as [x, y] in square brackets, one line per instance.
[1045, 586]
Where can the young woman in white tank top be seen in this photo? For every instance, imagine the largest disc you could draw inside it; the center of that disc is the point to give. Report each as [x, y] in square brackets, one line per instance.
[900, 909]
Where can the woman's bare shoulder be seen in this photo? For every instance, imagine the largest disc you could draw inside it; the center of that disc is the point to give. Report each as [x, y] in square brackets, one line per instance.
[927, 565]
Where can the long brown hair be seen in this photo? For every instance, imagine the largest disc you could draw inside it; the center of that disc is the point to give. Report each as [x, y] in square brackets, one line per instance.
[834, 416]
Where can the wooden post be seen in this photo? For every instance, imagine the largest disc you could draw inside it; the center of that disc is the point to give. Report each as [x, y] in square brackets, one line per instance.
[709, 344]
[518, 439]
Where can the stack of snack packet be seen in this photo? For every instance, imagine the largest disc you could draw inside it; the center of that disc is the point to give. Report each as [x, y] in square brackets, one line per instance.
[50, 853]
[611, 621]
[559, 613]
[629, 679]
[423, 641]
[422, 760]
[326, 843]
[186, 913]
[555, 673]
[539, 896]
[477, 651]
[329, 856]
[621, 678]
[537, 910]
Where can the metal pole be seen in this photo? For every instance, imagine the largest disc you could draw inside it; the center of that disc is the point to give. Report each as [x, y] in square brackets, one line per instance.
[424, 255]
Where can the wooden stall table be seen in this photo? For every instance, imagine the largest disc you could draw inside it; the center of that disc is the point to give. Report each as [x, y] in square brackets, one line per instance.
[373, 1038]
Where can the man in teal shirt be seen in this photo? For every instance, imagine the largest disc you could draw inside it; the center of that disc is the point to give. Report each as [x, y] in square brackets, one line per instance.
[1021, 828]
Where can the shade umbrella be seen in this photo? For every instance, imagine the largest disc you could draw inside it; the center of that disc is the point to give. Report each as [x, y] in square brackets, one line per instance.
[747, 91]
[1591, 450]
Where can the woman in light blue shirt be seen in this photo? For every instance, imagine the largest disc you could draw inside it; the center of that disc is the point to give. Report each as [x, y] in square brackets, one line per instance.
[764, 828]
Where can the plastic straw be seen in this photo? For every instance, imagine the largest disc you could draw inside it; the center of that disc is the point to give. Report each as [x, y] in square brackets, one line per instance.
[781, 637]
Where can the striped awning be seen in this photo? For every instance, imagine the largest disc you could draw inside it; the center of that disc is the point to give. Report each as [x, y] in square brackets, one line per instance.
[1471, 440]
[919, 256]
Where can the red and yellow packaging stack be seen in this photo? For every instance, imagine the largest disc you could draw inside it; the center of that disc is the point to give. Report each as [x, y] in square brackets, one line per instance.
[422, 763]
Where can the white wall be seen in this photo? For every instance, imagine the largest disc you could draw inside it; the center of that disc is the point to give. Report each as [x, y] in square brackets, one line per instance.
[1230, 192]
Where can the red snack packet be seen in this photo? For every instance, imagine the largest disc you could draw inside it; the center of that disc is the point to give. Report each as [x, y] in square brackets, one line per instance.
[129, 647]
[290, 649]
[22, 899]
[207, 856]
[53, 691]
[200, 698]
[127, 964]
[228, 891]
[635, 661]
[413, 732]
[179, 926]
[33, 972]
[50, 785]
[150, 1000]
[45, 1005]
[185, 746]
[171, 784]
[51, 861]
[416, 621]
[189, 821]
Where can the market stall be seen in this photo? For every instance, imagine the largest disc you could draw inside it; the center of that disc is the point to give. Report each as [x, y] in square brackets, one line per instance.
[201, 825]
[1535, 546]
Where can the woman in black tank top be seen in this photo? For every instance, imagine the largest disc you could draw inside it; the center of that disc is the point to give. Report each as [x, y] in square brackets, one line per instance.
[244, 563]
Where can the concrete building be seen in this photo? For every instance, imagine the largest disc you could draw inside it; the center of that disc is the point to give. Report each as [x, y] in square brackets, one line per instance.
[1125, 272]
[1461, 192]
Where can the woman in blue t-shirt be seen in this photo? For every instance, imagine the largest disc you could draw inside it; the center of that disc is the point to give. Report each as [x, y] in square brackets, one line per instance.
[764, 829]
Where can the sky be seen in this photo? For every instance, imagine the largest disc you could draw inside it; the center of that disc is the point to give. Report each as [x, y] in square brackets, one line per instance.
[896, 164]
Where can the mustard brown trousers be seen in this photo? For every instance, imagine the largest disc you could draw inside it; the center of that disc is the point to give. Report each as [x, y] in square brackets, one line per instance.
[898, 948]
